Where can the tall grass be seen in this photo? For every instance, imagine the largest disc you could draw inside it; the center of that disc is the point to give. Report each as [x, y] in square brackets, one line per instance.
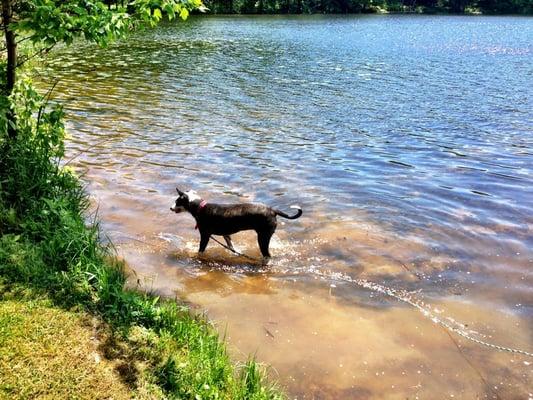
[46, 245]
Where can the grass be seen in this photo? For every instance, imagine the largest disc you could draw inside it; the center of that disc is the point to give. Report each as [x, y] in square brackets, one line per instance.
[37, 341]
[48, 251]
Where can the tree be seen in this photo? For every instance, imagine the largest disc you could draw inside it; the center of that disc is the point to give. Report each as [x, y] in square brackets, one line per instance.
[506, 6]
[458, 6]
[45, 23]
[11, 49]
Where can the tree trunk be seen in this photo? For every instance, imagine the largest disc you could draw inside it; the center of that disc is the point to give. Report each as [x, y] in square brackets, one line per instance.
[11, 47]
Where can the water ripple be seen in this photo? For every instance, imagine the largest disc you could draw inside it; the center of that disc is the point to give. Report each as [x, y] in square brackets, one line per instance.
[425, 127]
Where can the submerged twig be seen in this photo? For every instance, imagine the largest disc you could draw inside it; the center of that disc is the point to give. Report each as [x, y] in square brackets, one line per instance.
[409, 270]
[463, 355]
[83, 151]
[268, 332]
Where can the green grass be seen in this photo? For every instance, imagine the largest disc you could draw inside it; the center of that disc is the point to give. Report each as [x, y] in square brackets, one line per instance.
[48, 250]
[51, 353]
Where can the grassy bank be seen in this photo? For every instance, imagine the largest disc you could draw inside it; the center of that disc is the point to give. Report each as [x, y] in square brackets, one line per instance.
[49, 254]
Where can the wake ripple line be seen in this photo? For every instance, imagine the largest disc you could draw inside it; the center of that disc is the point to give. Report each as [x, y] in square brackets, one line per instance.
[407, 297]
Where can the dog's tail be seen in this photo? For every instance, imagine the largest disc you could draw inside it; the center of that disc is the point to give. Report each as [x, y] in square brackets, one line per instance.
[297, 215]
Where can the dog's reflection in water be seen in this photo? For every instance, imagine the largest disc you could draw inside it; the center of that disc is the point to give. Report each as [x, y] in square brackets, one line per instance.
[220, 260]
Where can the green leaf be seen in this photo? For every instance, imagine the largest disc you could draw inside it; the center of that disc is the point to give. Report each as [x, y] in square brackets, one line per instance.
[169, 10]
[184, 13]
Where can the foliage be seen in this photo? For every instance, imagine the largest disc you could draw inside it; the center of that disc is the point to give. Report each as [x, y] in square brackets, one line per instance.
[367, 6]
[506, 6]
[54, 21]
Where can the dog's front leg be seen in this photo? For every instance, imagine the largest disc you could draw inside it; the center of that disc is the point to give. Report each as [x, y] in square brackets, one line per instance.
[204, 238]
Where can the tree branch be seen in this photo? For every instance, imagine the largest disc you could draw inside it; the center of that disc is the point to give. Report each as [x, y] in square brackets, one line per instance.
[38, 53]
[46, 100]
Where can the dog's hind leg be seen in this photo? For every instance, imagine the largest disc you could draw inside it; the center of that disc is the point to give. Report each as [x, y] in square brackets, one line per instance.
[204, 238]
[227, 238]
[263, 238]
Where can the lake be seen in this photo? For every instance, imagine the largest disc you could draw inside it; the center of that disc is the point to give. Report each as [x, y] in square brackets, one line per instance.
[407, 141]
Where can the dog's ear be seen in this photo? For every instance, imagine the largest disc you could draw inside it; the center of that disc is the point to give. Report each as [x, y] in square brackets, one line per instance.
[180, 192]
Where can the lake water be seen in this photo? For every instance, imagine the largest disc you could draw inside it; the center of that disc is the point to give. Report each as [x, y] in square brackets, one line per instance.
[408, 142]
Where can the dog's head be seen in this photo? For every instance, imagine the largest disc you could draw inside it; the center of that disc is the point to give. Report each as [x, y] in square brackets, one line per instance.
[183, 200]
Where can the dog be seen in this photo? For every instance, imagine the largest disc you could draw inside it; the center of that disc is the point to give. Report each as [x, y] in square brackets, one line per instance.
[227, 219]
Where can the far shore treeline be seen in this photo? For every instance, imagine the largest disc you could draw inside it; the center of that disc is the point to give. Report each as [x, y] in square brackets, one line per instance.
[364, 6]
[369, 6]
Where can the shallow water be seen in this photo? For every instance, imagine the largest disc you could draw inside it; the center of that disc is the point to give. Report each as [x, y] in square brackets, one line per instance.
[407, 140]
